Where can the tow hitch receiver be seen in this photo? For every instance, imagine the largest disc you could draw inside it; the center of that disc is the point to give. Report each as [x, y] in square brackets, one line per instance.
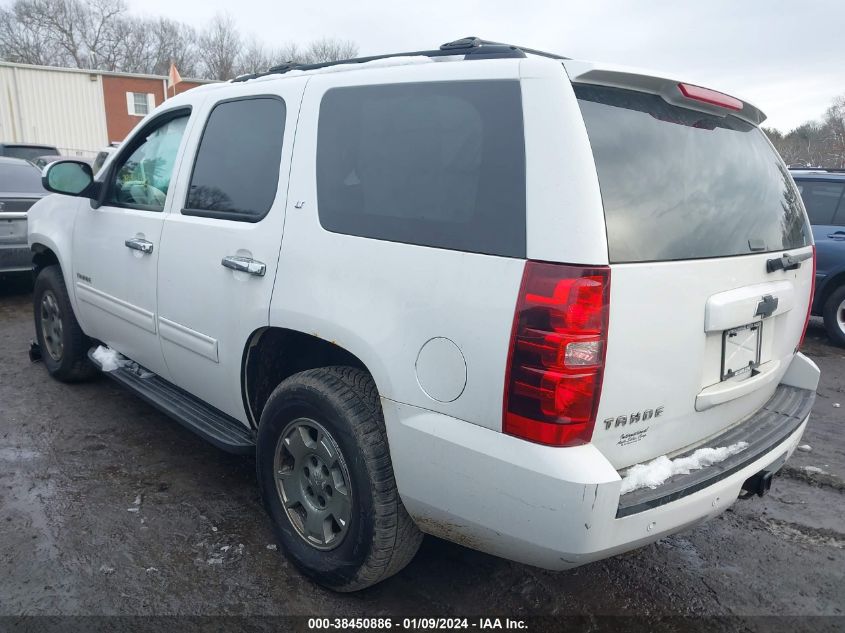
[758, 484]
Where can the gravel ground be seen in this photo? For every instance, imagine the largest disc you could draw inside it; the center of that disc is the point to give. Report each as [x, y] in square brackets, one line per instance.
[107, 507]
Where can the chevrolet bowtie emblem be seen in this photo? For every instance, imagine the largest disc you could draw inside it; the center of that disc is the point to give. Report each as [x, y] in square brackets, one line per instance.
[767, 306]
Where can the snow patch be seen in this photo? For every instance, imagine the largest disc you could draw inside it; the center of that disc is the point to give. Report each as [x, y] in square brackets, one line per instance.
[108, 358]
[814, 470]
[655, 472]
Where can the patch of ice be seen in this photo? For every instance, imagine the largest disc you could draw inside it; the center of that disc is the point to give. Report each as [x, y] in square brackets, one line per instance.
[814, 469]
[806, 448]
[655, 472]
[108, 358]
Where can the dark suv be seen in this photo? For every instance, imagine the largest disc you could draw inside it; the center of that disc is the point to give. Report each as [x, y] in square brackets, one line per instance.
[822, 191]
[27, 151]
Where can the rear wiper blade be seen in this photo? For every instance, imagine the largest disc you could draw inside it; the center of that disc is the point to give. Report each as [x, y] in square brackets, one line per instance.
[786, 262]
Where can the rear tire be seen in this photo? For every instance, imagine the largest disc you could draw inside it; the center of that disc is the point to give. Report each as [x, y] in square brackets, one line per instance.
[834, 316]
[322, 430]
[64, 347]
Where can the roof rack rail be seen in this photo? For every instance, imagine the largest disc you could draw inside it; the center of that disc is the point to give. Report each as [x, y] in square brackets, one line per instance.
[470, 47]
[832, 170]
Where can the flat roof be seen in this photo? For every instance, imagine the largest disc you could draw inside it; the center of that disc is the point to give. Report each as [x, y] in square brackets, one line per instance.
[110, 73]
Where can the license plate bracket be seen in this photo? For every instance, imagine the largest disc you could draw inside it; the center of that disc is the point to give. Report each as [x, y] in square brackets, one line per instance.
[741, 351]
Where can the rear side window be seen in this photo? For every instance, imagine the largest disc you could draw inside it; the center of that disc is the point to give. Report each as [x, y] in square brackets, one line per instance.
[28, 152]
[821, 200]
[681, 184]
[236, 172]
[437, 164]
[20, 179]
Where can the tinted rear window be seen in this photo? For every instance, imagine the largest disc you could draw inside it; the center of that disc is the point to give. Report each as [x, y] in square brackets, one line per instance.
[28, 153]
[681, 184]
[20, 178]
[437, 164]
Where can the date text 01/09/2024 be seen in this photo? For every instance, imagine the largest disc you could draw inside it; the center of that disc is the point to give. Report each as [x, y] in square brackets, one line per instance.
[417, 623]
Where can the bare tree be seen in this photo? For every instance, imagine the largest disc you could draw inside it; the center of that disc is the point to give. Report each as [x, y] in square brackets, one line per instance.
[254, 57]
[815, 143]
[219, 46]
[328, 49]
[102, 34]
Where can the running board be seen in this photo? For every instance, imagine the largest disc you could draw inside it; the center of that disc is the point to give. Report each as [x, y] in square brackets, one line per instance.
[225, 432]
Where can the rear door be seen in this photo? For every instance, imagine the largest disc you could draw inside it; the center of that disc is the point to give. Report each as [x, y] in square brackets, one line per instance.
[703, 318]
[221, 247]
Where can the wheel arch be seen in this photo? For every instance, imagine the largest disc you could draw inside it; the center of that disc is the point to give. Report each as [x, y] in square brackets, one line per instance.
[826, 288]
[272, 354]
[43, 256]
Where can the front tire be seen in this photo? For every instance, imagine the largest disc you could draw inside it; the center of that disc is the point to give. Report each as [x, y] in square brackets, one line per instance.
[834, 316]
[64, 347]
[327, 481]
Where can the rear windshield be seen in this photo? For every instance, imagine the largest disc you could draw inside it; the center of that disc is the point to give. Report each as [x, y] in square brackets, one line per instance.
[20, 179]
[28, 152]
[682, 184]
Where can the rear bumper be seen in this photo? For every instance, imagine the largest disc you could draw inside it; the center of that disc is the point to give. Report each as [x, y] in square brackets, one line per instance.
[559, 508]
[15, 255]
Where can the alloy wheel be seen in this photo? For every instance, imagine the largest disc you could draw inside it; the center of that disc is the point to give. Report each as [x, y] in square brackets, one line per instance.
[313, 483]
[51, 326]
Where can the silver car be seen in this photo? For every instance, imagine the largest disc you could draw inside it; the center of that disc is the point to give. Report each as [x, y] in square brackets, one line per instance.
[20, 188]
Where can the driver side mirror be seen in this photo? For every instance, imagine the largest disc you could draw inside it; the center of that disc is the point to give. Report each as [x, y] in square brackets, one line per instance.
[68, 177]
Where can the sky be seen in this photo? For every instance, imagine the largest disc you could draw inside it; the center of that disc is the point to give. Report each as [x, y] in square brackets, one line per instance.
[784, 56]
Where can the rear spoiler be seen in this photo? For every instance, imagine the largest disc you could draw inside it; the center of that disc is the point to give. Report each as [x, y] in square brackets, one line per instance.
[669, 89]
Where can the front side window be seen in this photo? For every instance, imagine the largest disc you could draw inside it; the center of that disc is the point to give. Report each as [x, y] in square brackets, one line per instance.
[437, 164]
[141, 179]
[236, 172]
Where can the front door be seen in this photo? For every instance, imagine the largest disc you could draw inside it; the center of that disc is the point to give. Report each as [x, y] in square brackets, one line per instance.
[220, 246]
[116, 245]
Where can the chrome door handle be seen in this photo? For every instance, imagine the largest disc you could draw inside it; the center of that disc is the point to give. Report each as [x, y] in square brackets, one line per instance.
[137, 244]
[244, 265]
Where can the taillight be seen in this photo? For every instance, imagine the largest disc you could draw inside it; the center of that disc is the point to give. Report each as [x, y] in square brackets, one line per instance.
[705, 95]
[810, 305]
[557, 349]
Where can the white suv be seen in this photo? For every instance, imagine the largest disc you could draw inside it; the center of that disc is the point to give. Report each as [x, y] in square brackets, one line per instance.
[481, 292]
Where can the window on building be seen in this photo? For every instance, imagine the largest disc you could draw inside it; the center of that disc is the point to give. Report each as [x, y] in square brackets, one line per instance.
[140, 103]
[236, 173]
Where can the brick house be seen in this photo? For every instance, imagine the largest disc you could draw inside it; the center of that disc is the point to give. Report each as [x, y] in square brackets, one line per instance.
[79, 111]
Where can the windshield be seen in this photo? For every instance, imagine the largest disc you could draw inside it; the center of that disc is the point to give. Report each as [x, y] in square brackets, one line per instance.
[682, 184]
[28, 152]
[20, 179]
